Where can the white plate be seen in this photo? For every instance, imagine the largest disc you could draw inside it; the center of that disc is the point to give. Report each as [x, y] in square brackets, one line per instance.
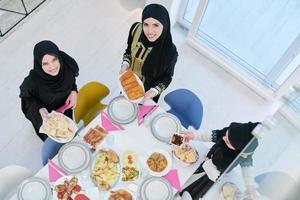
[61, 181]
[123, 91]
[118, 188]
[121, 111]
[164, 126]
[34, 188]
[74, 157]
[60, 140]
[156, 188]
[169, 160]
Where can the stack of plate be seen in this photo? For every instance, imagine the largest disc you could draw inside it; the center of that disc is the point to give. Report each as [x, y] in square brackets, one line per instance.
[164, 126]
[34, 188]
[156, 188]
[74, 157]
[121, 111]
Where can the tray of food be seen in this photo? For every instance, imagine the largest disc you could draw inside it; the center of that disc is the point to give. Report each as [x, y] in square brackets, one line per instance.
[130, 166]
[132, 86]
[59, 127]
[95, 136]
[105, 169]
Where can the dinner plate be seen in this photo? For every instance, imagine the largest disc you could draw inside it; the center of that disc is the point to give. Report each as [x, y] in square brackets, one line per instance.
[74, 157]
[121, 111]
[156, 188]
[118, 188]
[164, 126]
[56, 139]
[34, 188]
[123, 91]
[169, 162]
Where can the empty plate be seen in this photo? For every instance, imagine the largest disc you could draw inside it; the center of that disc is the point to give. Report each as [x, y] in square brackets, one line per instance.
[74, 157]
[121, 111]
[163, 126]
[156, 188]
[34, 188]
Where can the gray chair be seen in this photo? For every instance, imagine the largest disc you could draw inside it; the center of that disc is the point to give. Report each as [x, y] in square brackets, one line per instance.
[11, 176]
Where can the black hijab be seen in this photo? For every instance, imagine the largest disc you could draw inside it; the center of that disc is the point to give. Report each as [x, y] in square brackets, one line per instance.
[160, 57]
[68, 67]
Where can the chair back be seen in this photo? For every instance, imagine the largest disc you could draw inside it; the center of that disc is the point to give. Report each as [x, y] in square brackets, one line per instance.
[186, 106]
[89, 101]
[11, 176]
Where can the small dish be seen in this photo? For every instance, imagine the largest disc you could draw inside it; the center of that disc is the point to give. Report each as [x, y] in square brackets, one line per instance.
[125, 194]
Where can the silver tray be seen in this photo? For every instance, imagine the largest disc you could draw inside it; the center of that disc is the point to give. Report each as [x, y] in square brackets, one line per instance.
[74, 157]
[156, 188]
[121, 111]
[34, 188]
[164, 125]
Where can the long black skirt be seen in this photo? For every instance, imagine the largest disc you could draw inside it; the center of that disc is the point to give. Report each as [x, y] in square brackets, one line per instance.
[199, 188]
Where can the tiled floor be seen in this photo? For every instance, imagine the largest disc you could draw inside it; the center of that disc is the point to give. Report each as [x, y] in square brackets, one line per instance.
[94, 32]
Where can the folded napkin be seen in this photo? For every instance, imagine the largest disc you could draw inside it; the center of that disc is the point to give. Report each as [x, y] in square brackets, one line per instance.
[55, 172]
[63, 108]
[172, 177]
[145, 110]
[108, 125]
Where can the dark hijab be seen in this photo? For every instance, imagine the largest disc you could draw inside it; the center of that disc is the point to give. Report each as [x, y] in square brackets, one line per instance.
[156, 64]
[239, 135]
[68, 67]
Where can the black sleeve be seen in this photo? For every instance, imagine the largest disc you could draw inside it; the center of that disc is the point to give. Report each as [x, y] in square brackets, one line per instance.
[127, 54]
[164, 81]
[30, 105]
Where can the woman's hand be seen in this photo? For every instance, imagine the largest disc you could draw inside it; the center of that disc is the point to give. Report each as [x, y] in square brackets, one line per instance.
[187, 136]
[71, 100]
[124, 67]
[148, 95]
[44, 113]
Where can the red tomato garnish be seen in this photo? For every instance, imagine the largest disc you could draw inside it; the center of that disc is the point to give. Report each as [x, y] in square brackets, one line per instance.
[60, 195]
[77, 188]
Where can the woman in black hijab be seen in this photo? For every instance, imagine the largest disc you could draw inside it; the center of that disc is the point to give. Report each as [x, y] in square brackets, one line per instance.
[229, 144]
[151, 53]
[49, 85]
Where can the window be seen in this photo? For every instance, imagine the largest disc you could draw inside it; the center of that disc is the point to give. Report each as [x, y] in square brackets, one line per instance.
[258, 39]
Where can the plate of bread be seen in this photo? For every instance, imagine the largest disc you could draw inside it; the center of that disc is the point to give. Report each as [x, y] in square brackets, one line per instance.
[132, 86]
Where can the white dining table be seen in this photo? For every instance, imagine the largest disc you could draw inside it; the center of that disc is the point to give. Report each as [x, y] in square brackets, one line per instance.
[136, 138]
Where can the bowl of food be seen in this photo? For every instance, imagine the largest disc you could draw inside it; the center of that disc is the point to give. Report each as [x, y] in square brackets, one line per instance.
[158, 162]
[185, 155]
[105, 169]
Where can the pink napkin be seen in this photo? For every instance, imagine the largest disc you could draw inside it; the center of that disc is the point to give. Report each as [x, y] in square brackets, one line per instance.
[172, 177]
[55, 172]
[108, 125]
[63, 108]
[145, 110]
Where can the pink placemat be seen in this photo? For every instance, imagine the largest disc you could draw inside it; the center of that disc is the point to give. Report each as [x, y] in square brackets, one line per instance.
[109, 125]
[145, 110]
[55, 172]
[173, 179]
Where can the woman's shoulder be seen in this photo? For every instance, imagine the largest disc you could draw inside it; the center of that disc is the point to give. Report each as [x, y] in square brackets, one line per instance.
[29, 82]
[134, 26]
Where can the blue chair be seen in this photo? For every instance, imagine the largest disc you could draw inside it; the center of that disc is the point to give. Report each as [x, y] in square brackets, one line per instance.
[186, 106]
[50, 149]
